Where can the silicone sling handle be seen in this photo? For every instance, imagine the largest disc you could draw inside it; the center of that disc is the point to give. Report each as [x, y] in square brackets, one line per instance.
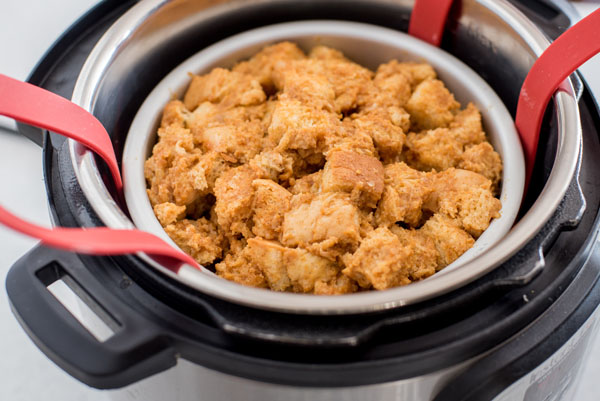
[36, 106]
[97, 240]
[567, 53]
[428, 19]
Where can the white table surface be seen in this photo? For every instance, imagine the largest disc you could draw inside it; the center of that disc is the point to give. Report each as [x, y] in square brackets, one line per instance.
[26, 31]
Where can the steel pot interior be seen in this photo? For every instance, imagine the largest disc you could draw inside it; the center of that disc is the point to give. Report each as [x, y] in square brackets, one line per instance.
[118, 75]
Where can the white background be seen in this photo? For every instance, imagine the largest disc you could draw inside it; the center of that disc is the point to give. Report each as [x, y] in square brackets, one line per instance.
[27, 29]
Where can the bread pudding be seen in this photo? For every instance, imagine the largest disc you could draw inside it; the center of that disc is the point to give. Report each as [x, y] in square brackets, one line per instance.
[312, 174]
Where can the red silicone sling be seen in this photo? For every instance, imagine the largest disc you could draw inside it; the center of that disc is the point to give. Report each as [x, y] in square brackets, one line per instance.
[36, 106]
[567, 53]
[428, 19]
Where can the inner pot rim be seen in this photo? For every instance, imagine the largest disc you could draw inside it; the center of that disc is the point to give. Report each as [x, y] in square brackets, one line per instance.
[94, 189]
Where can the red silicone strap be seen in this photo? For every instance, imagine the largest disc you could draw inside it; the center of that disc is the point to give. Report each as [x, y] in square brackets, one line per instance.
[428, 20]
[97, 240]
[36, 106]
[567, 53]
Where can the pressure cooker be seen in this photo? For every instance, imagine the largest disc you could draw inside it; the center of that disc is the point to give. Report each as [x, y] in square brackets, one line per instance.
[516, 330]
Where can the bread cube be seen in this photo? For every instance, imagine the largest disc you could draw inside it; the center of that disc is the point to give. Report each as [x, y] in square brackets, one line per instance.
[423, 261]
[236, 268]
[228, 88]
[309, 184]
[405, 191]
[354, 173]
[413, 72]
[433, 150]
[328, 220]
[394, 80]
[174, 113]
[234, 195]
[347, 78]
[306, 82]
[387, 136]
[482, 159]
[379, 262]
[295, 125]
[450, 240]
[341, 284]
[241, 142]
[271, 202]
[288, 267]
[473, 208]
[198, 238]
[466, 127]
[168, 213]
[262, 64]
[349, 137]
[431, 105]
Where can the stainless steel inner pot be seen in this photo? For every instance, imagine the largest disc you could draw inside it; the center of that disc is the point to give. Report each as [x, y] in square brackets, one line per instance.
[496, 31]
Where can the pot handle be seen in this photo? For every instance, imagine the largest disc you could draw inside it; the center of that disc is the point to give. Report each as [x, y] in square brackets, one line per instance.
[125, 347]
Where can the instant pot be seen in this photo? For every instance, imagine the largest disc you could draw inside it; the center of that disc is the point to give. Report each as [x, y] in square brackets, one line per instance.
[516, 330]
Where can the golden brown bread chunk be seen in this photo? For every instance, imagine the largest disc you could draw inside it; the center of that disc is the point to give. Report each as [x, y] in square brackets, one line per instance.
[450, 240]
[272, 165]
[414, 73]
[262, 64]
[388, 136]
[208, 115]
[341, 284]
[185, 181]
[296, 125]
[405, 191]
[271, 202]
[379, 262]
[431, 105]
[229, 88]
[174, 114]
[442, 148]
[347, 78]
[483, 159]
[234, 195]
[198, 238]
[307, 270]
[393, 81]
[474, 209]
[213, 164]
[327, 222]
[354, 173]
[168, 213]
[423, 260]
[283, 269]
[347, 136]
[466, 126]
[268, 257]
[305, 81]
[240, 142]
[309, 184]
[435, 149]
[235, 267]
[301, 174]
[466, 197]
